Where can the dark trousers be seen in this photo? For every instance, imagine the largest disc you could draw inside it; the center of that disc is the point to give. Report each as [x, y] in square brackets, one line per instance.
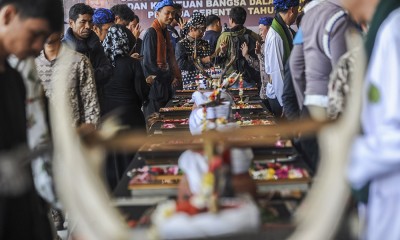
[309, 145]
[276, 108]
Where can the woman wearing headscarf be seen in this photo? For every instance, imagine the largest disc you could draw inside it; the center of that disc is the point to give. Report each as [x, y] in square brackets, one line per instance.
[127, 89]
[125, 93]
[193, 48]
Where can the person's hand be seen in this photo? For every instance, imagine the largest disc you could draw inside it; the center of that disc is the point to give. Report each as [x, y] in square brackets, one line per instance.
[223, 46]
[258, 48]
[150, 79]
[206, 59]
[136, 31]
[175, 82]
[245, 50]
[136, 56]
[182, 22]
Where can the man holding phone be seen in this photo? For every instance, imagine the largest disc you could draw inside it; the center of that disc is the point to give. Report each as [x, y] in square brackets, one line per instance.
[173, 33]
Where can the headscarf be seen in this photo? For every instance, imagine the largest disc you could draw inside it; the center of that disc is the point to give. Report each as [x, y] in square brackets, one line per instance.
[163, 3]
[119, 41]
[267, 21]
[282, 5]
[103, 16]
[197, 20]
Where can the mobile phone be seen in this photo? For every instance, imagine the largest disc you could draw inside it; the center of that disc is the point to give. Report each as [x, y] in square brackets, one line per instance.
[178, 18]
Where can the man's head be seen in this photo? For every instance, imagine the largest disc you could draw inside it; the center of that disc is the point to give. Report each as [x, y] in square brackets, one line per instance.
[123, 14]
[213, 22]
[165, 12]
[81, 20]
[288, 9]
[54, 38]
[196, 25]
[26, 24]
[263, 25]
[237, 16]
[103, 19]
[178, 14]
[135, 21]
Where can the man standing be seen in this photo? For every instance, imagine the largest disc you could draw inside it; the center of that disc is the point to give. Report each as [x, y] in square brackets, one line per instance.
[258, 64]
[278, 44]
[81, 37]
[25, 25]
[159, 61]
[213, 31]
[173, 33]
[103, 19]
[235, 37]
[322, 45]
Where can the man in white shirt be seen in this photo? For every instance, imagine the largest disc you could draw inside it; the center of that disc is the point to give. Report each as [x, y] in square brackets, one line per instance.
[278, 45]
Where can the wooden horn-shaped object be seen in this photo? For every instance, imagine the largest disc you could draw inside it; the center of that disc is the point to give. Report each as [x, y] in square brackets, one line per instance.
[321, 212]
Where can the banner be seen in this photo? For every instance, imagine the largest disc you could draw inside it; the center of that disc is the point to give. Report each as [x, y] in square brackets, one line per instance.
[144, 9]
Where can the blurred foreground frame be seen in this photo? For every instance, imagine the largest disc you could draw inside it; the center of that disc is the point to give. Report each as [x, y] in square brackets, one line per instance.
[78, 162]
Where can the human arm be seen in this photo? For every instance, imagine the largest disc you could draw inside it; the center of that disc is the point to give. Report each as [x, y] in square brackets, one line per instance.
[297, 68]
[253, 62]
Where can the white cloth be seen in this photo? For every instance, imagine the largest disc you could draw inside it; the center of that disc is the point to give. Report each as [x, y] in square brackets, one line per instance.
[316, 100]
[195, 165]
[244, 219]
[273, 53]
[375, 156]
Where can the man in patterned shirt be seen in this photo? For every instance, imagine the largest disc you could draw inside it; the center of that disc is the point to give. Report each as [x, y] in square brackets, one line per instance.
[81, 87]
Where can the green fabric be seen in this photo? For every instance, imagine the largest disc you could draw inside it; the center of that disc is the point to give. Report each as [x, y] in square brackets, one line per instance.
[226, 37]
[384, 8]
[362, 194]
[278, 28]
[374, 96]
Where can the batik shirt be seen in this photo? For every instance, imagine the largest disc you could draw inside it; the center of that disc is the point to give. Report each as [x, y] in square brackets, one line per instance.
[82, 87]
[184, 53]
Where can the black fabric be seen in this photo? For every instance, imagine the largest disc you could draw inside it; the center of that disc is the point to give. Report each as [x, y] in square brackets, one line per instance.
[23, 216]
[382, 11]
[276, 108]
[241, 64]
[92, 48]
[138, 46]
[212, 38]
[288, 31]
[289, 99]
[309, 145]
[161, 90]
[174, 36]
[126, 92]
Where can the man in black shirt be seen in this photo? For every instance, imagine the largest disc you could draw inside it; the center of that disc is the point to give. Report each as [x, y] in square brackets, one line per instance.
[214, 29]
[25, 25]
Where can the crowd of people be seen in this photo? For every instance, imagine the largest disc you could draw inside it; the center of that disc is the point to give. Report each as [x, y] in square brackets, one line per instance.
[117, 69]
